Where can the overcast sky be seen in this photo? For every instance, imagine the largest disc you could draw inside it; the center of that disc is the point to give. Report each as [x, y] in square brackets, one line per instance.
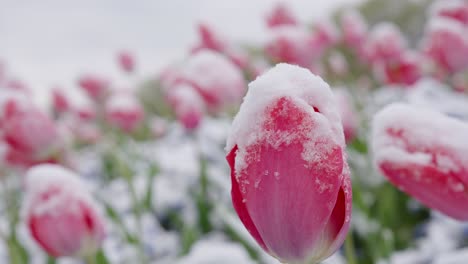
[50, 42]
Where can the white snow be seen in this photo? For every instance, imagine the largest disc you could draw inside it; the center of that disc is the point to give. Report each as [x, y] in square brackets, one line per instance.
[306, 90]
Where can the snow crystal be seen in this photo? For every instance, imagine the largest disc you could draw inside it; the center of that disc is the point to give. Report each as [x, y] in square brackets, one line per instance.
[305, 90]
[425, 129]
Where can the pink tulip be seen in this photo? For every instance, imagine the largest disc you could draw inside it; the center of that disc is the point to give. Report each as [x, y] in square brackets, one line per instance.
[281, 15]
[218, 81]
[60, 214]
[423, 153]
[188, 105]
[354, 29]
[446, 43]
[290, 180]
[60, 102]
[326, 33]
[31, 136]
[126, 61]
[85, 111]
[385, 43]
[347, 114]
[294, 45]
[406, 70]
[453, 9]
[212, 40]
[94, 86]
[124, 111]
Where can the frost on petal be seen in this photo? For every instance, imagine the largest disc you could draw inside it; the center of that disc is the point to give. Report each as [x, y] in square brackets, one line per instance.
[423, 153]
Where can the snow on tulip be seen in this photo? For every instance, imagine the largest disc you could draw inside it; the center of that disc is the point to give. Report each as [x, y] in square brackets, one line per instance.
[423, 152]
[290, 179]
[281, 15]
[446, 44]
[217, 80]
[293, 45]
[31, 136]
[453, 9]
[94, 86]
[385, 43]
[60, 213]
[123, 110]
[188, 105]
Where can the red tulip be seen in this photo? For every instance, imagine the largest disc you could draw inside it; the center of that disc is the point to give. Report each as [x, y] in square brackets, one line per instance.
[294, 45]
[60, 214]
[354, 29]
[424, 153]
[290, 180]
[60, 102]
[31, 137]
[188, 105]
[386, 43]
[217, 80]
[124, 111]
[94, 86]
[126, 61]
[406, 70]
[347, 114]
[453, 9]
[446, 44]
[281, 15]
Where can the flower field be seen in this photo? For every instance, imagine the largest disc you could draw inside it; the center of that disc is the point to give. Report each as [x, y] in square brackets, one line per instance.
[343, 140]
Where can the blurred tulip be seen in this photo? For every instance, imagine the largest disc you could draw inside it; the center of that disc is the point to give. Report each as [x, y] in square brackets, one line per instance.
[347, 113]
[326, 33]
[31, 136]
[218, 81]
[188, 105]
[126, 61]
[446, 43]
[60, 213]
[213, 40]
[405, 71]
[386, 43]
[85, 111]
[294, 45]
[354, 28]
[158, 127]
[453, 9]
[338, 64]
[281, 15]
[124, 111]
[60, 102]
[423, 153]
[94, 86]
[290, 180]
[460, 82]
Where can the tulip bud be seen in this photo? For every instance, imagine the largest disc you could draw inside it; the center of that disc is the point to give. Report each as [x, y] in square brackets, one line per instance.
[188, 106]
[60, 214]
[385, 43]
[405, 71]
[126, 61]
[60, 102]
[294, 45]
[31, 136]
[446, 44]
[453, 9]
[219, 82]
[124, 111]
[424, 153]
[290, 179]
[281, 15]
[354, 29]
[95, 87]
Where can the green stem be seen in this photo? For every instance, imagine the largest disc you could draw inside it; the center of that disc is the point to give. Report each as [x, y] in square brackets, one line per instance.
[349, 250]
